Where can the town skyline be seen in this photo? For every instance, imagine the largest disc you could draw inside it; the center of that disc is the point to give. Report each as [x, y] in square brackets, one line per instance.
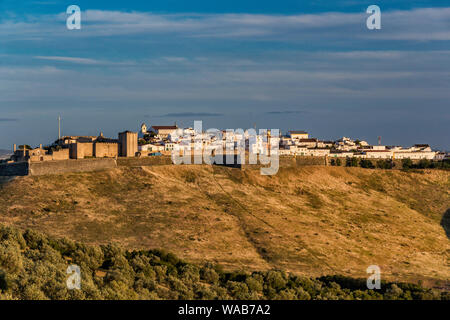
[36, 141]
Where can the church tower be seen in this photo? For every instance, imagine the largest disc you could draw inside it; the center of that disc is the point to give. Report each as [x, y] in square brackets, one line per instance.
[143, 128]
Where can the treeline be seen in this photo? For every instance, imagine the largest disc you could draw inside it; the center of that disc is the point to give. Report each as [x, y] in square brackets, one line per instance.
[33, 266]
[364, 163]
[406, 164]
[425, 164]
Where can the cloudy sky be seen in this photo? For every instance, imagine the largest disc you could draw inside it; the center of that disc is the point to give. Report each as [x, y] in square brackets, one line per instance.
[305, 65]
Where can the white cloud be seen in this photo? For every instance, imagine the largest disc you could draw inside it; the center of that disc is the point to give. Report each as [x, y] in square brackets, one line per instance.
[419, 24]
[70, 59]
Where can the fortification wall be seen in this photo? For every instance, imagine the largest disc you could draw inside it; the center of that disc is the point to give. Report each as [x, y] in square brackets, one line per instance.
[63, 166]
[144, 161]
[106, 150]
[14, 169]
[291, 161]
[81, 150]
[62, 154]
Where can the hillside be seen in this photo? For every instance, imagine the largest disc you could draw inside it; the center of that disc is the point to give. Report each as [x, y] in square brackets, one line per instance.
[311, 221]
[33, 266]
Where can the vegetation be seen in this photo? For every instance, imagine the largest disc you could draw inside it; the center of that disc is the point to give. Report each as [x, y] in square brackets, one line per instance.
[148, 137]
[336, 162]
[351, 162]
[390, 164]
[425, 164]
[385, 164]
[33, 266]
[364, 163]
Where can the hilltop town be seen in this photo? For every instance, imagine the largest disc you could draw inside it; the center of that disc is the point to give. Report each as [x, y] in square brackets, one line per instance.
[163, 140]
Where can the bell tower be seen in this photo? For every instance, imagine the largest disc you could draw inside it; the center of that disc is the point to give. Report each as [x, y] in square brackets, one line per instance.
[143, 128]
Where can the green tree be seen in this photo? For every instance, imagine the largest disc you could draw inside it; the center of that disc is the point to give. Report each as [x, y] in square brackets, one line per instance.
[407, 163]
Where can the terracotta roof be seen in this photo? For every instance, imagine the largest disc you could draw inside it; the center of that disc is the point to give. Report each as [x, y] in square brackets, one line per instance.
[298, 132]
[164, 127]
[308, 140]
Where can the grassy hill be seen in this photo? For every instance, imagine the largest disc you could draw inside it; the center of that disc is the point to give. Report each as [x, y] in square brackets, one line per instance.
[310, 221]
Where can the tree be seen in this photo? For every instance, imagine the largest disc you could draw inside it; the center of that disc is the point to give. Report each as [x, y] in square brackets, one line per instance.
[424, 163]
[385, 164]
[366, 164]
[407, 163]
[348, 162]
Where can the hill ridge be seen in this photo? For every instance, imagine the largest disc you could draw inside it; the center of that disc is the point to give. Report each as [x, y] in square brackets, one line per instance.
[300, 220]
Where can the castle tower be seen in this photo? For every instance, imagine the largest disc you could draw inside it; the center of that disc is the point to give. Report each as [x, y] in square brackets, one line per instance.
[128, 144]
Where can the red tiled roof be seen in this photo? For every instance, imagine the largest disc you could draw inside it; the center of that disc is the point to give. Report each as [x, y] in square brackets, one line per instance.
[164, 127]
[308, 140]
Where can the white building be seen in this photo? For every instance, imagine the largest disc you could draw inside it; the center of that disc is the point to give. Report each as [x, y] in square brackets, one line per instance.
[309, 143]
[296, 135]
[377, 154]
[164, 131]
[440, 156]
[414, 155]
[318, 152]
[341, 154]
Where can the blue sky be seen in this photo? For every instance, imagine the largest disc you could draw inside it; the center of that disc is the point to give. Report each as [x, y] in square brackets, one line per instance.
[306, 65]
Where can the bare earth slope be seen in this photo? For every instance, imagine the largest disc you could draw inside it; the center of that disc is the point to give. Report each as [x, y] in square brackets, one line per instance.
[311, 220]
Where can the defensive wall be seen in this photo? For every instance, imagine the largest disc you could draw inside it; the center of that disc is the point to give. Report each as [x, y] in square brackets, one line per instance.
[95, 164]
[56, 167]
[144, 161]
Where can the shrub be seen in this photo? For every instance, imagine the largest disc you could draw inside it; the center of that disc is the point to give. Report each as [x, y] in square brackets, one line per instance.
[364, 163]
[385, 164]
[351, 162]
[33, 267]
[407, 163]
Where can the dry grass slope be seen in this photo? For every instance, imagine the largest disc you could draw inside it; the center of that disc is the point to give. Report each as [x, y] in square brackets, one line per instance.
[312, 220]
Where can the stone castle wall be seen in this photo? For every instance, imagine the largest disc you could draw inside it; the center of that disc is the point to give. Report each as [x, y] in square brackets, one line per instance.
[106, 150]
[62, 154]
[81, 150]
[64, 166]
[291, 161]
[96, 164]
[144, 161]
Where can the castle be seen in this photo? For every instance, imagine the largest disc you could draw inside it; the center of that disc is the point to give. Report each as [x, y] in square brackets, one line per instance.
[80, 147]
